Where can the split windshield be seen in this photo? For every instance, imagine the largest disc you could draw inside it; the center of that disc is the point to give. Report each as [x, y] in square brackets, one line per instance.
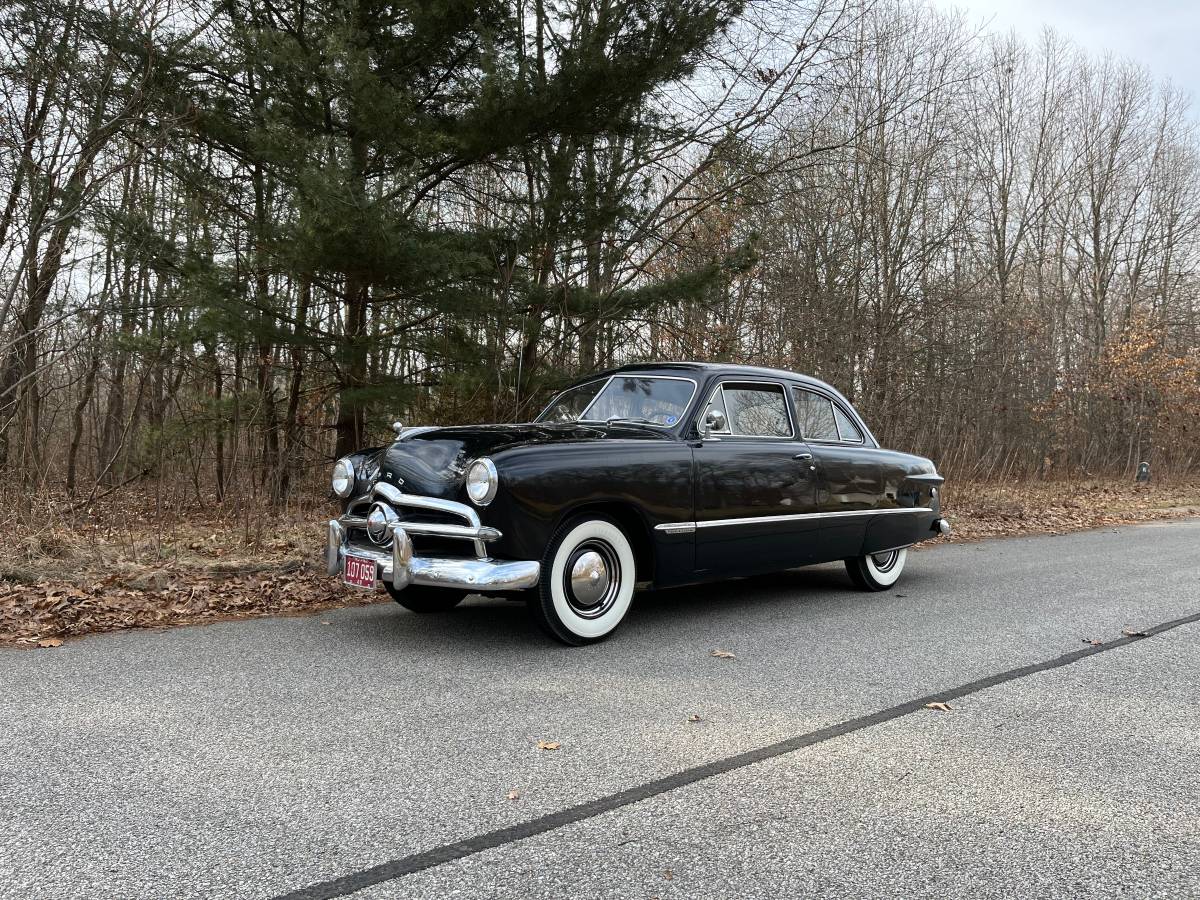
[647, 400]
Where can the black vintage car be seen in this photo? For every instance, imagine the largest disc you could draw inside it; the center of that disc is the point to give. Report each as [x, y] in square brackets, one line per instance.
[644, 476]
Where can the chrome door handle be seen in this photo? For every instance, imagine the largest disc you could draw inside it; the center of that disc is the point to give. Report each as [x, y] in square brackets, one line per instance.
[802, 456]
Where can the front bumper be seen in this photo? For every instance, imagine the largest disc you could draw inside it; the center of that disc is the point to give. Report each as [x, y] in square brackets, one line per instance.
[397, 566]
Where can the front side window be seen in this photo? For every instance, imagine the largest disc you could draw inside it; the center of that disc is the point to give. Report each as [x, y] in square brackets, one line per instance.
[758, 410]
[649, 400]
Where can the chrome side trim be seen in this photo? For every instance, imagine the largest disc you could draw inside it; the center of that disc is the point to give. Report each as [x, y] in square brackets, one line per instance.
[683, 527]
[676, 527]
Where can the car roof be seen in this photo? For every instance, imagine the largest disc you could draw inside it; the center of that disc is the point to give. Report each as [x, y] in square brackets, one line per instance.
[710, 368]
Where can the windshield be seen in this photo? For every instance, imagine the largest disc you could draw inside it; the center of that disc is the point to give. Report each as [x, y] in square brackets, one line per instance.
[646, 399]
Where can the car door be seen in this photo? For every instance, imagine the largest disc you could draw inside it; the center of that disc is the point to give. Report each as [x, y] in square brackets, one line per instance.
[851, 482]
[756, 497]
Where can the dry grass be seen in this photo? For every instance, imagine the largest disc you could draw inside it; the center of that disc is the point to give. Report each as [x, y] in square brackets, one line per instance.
[129, 563]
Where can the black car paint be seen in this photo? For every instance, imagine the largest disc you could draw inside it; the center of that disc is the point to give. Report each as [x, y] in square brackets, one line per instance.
[645, 477]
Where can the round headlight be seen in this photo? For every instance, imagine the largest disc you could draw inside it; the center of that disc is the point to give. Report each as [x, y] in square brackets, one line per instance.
[482, 481]
[343, 477]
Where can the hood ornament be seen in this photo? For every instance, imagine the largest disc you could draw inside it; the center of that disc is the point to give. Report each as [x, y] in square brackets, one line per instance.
[398, 427]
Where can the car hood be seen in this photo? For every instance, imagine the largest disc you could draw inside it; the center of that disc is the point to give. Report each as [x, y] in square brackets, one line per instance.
[433, 461]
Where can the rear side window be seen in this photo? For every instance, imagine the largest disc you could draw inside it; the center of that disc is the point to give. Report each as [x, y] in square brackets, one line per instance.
[815, 416]
[846, 427]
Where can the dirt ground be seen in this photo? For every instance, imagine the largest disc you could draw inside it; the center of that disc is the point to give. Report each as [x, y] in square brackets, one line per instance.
[130, 564]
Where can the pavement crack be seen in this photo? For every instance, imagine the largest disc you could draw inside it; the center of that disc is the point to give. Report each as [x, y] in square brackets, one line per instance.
[407, 865]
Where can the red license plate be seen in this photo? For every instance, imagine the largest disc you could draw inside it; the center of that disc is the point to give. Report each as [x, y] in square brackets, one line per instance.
[359, 571]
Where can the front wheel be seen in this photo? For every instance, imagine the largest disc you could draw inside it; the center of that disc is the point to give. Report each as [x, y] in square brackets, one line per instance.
[420, 598]
[587, 581]
[877, 571]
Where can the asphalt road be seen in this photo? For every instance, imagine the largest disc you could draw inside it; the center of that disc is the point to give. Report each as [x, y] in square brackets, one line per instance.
[292, 757]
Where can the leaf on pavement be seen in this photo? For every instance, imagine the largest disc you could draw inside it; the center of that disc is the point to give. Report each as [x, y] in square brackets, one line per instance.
[1093, 641]
[939, 706]
[47, 643]
[514, 794]
[723, 654]
[549, 745]
[695, 717]
[1130, 632]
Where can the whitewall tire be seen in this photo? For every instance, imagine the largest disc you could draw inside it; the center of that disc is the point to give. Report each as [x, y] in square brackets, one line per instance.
[877, 571]
[587, 581]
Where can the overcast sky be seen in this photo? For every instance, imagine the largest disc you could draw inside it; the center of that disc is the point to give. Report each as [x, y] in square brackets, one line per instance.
[1161, 35]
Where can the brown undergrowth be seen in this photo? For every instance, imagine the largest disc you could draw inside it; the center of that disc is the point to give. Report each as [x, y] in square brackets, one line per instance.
[134, 564]
[131, 563]
[1023, 506]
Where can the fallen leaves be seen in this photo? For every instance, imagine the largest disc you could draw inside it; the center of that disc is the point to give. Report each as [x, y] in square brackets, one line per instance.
[939, 706]
[108, 603]
[1095, 642]
[48, 643]
[984, 510]
[1131, 632]
[723, 654]
[695, 717]
[514, 794]
[139, 563]
[549, 745]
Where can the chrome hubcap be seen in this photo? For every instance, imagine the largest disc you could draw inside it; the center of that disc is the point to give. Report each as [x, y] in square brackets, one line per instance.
[589, 578]
[885, 561]
[592, 579]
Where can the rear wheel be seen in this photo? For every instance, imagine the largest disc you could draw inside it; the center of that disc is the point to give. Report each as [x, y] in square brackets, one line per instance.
[877, 571]
[587, 581]
[420, 598]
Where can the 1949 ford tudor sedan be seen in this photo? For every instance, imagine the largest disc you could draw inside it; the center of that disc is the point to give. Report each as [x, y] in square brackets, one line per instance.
[644, 476]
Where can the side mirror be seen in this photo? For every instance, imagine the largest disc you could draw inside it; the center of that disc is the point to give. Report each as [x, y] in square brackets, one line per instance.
[714, 420]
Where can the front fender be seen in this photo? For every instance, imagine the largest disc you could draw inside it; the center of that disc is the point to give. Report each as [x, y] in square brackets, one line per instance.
[541, 486]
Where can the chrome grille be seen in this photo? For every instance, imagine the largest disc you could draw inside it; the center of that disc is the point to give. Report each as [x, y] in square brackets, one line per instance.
[446, 523]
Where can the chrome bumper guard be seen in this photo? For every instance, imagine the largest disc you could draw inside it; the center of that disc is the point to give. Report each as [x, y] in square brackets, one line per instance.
[399, 567]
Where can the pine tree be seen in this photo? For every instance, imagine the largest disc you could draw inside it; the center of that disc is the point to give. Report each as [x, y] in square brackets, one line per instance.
[344, 118]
